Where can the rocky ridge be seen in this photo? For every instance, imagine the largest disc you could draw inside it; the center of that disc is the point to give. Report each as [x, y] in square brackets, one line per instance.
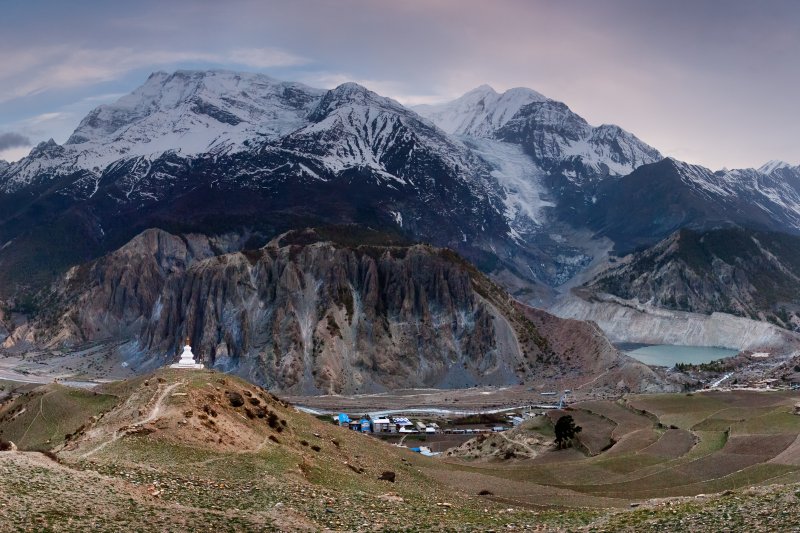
[307, 314]
[658, 199]
[740, 272]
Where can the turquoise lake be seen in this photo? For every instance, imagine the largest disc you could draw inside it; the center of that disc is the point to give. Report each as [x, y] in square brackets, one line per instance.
[668, 355]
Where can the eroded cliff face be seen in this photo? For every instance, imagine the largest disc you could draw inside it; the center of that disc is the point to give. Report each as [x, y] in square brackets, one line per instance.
[114, 296]
[308, 316]
[318, 318]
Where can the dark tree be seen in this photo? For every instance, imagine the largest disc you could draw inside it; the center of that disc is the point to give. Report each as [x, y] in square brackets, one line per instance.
[566, 431]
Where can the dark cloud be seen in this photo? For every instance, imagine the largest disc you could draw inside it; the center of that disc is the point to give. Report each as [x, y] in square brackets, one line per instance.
[13, 140]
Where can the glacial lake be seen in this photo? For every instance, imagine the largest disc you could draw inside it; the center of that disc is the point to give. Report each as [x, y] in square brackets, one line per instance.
[668, 355]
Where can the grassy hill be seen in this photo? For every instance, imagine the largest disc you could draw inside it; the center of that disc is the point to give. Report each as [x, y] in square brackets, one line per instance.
[39, 419]
[204, 451]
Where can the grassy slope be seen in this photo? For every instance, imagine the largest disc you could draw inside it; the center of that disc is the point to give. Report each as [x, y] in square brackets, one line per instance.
[166, 479]
[39, 419]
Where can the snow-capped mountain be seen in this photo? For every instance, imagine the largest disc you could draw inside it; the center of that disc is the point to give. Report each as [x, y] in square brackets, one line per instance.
[548, 160]
[516, 182]
[556, 138]
[480, 112]
[195, 113]
[218, 151]
[187, 112]
[352, 127]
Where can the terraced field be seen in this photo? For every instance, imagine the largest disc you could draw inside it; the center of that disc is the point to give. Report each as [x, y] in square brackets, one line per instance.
[656, 446]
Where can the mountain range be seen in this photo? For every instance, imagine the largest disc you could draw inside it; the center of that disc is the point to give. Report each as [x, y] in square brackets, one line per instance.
[225, 162]
[222, 151]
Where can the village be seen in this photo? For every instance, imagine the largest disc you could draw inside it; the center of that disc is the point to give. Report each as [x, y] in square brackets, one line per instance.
[404, 425]
[430, 437]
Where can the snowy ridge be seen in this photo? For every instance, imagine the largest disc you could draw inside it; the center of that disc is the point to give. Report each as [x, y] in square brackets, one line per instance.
[547, 129]
[770, 166]
[354, 127]
[776, 193]
[554, 135]
[480, 112]
[619, 150]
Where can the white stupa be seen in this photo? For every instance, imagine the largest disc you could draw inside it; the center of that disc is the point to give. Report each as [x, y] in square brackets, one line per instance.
[187, 359]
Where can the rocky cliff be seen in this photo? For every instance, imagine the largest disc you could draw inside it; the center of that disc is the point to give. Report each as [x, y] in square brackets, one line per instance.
[315, 312]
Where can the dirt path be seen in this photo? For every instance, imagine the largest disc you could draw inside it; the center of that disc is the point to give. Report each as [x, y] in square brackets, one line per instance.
[525, 445]
[32, 421]
[605, 372]
[152, 415]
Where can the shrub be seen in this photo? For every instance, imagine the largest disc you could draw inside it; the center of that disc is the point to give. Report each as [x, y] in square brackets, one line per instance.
[236, 399]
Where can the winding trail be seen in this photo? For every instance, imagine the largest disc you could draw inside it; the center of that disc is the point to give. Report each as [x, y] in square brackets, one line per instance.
[579, 387]
[524, 445]
[152, 415]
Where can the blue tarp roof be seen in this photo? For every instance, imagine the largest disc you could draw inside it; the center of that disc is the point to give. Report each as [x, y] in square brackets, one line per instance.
[343, 418]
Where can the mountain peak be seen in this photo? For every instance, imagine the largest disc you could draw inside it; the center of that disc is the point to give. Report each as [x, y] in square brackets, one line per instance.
[481, 111]
[771, 166]
[352, 91]
[192, 112]
[46, 147]
[350, 86]
[349, 94]
[481, 89]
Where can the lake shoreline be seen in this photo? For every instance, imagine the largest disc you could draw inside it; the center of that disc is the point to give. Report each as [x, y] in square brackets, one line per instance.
[667, 355]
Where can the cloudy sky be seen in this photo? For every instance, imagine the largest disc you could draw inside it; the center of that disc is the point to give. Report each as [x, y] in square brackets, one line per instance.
[713, 82]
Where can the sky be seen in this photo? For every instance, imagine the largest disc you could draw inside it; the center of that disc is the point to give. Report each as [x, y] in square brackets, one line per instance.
[712, 82]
